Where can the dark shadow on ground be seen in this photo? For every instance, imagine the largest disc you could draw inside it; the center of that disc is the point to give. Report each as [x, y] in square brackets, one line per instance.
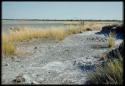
[87, 67]
[117, 29]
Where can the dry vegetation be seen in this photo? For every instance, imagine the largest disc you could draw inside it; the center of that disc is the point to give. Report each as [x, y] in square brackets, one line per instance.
[7, 46]
[95, 25]
[57, 34]
[27, 34]
[111, 40]
[110, 73]
[22, 34]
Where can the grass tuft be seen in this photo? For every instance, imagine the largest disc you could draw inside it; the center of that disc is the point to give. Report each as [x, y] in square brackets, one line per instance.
[8, 47]
[111, 40]
[111, 73]
[74, 29]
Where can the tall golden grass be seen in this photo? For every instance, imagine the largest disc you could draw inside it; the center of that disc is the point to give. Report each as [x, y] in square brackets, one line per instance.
[22, 34]
[8, 47]
[75, 29]
[26, 34]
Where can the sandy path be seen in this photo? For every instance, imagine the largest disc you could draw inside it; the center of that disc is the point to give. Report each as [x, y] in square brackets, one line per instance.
[49, 62]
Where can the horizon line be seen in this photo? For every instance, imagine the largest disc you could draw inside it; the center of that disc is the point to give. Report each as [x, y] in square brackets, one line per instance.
[63, 19]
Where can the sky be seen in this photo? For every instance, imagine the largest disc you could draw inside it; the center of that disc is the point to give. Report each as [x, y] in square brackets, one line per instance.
[62, 10]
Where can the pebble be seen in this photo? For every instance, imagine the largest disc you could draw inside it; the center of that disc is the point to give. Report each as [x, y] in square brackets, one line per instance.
[21, 66]
[13, 58]
[18, 60]
[35, 47]
[22, 78]
[40, 80]
[35, 82]
[6, 64]
[27, 79]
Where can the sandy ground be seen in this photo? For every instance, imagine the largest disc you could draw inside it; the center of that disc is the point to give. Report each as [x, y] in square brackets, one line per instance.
[50, 62]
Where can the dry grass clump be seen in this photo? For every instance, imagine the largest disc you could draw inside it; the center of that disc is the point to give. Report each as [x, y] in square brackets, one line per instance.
[27, 34]
[94, 25]
[56, 34]
[111, 40]
[111, 73]
[74, 29]
[8, 47]
[90, 25]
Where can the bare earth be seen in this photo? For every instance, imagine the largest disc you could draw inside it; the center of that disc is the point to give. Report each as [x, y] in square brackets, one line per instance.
[49, 62]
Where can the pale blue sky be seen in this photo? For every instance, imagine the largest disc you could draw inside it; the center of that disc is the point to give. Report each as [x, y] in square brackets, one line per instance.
[62, 10]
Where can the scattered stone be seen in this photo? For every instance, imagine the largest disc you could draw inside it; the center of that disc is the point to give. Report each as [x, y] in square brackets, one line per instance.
[18, 60]
[27, 79]
[13, 58]
[19, 79]
[40, 80]
[89, 62]
[68, 81]
[88, 38]
[55, 66]
[6, 64]
[35, 47]
[92, 39]
[35, 82]
[103, 40]
[37, 75]
[66, 50]
[96, 38]
[22, 78]
[22, 66]
[81, 39]
[96, 56]
[74, 62]
[87, 58]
